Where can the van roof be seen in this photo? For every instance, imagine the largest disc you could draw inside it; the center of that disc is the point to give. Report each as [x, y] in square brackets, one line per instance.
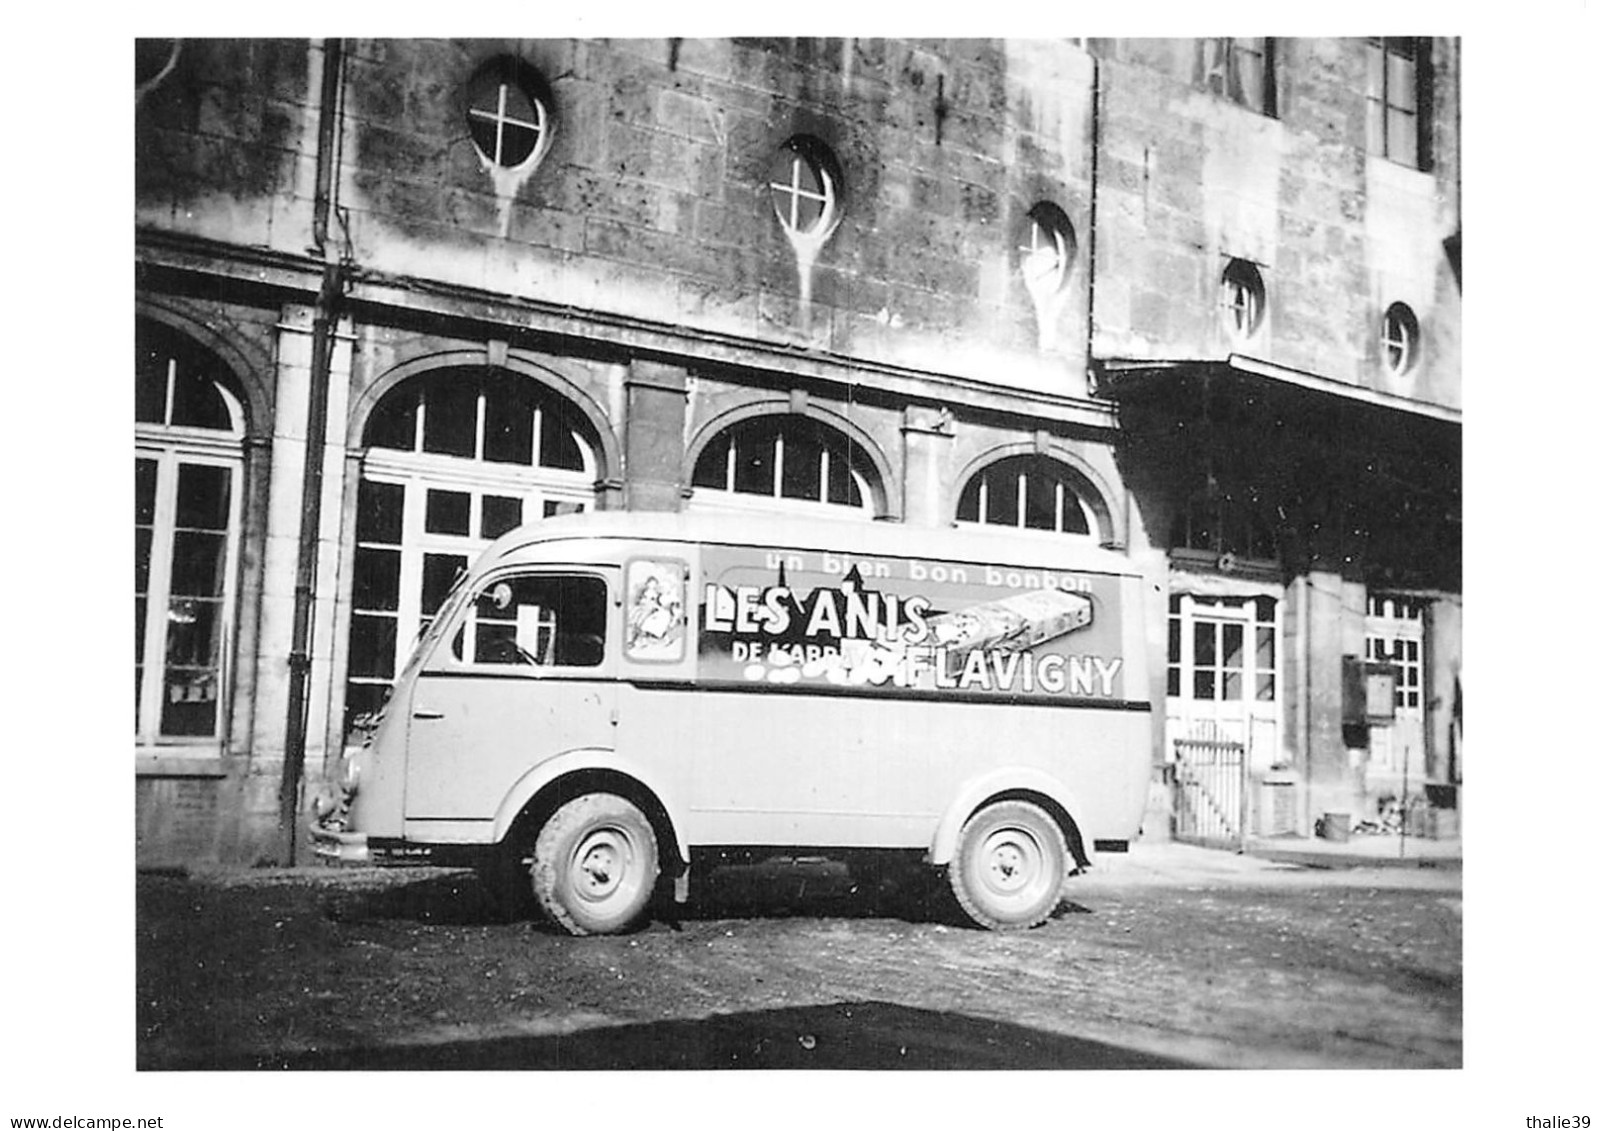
[981, 545]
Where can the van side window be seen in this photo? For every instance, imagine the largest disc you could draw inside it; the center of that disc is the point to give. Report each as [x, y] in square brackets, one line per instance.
[539, 619]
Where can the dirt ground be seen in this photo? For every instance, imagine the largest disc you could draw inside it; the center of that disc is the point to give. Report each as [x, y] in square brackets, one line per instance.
[1177, 958]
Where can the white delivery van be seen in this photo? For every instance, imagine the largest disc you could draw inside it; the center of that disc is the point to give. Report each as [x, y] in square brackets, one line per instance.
[603, 697]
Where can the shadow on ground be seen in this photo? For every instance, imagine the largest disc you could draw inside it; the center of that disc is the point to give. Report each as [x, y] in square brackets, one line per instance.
[766, 889]
[846, 1035]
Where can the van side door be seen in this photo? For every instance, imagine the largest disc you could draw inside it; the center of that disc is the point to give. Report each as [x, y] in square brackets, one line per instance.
[528, 673]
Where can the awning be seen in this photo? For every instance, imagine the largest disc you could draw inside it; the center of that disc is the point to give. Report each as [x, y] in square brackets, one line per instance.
[1354, 479]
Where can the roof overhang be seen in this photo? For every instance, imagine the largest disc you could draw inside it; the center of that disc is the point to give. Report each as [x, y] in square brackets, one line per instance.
[1125, 374]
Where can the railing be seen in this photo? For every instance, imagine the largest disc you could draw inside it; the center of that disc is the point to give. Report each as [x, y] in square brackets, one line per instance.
[1211, 788]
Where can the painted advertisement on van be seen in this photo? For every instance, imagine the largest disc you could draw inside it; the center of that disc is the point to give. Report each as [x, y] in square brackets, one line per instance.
[813, 619]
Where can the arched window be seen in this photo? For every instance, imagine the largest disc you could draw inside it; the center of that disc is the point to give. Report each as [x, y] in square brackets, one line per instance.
[188, 467]
[1032, 492]
[455, 458]
[789, 462]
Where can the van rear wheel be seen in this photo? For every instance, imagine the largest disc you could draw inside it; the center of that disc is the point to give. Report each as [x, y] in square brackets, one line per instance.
[1009, 867]
[596, 865]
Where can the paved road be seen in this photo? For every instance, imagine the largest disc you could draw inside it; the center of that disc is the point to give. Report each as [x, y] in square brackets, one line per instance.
[1168, 957]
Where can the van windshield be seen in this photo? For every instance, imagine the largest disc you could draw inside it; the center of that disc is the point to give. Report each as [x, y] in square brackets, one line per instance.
[447, 612]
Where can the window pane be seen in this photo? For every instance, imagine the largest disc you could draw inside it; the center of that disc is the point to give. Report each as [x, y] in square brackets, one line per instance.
[150, 387]
[499, 515]
[1231, 685]
[967, 506]
[141, 560]
[439, 572]
[203, 497]
[842, 487]
[1401, 85]
[193, 632]
[1002, 501]
[196, 403]
[376, 584]
[1039, 502]
[711, 468]
[508, 421]
[483, 134]
[542, 618]
[448, 512]
[1375, 71]
[1205, 645]
[372, 646]
[1175, 682]
[1403, 138]
[394, 424]
[1264, 649]
[803, 466]
[450, 418]
[144, 492]
[1233, 645]
[1265, 688]
[139, 614]
[1175, 640]
[558, 446]
[380, 512]
[1205, 685]
[516, 143]
[753, 462]
[1075, 520]
[189, 703]
[197, 561]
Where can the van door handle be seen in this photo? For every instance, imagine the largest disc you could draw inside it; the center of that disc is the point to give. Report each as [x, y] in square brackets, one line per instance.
[426, 713]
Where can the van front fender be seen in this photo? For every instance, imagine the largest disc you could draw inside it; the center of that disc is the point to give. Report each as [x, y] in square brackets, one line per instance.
[1012, 781]
[527, 787]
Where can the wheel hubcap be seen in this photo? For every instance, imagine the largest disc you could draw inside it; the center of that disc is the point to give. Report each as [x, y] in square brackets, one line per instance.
[601, 864]
[1012, 863]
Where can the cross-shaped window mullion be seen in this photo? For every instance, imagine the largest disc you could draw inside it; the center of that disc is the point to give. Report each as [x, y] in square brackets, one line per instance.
[796, 193]
[502, 117]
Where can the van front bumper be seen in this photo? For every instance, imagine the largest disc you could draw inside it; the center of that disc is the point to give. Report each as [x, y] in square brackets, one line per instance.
[339, 847]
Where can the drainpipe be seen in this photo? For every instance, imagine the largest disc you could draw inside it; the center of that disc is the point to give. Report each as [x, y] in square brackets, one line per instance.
[1095, 192]
[325, 318]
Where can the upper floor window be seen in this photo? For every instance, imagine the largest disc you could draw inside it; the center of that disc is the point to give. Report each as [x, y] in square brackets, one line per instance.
[1031, 492]
[792, 458]
[1397, 70]
[1400, 338]
[1228, 526]
[508, 112]
[1048, 249]
[804, 180]
[1241, 69]
[1244, 298]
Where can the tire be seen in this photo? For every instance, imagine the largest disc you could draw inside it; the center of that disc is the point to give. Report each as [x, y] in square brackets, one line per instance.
[595, 865]
[1009, 867]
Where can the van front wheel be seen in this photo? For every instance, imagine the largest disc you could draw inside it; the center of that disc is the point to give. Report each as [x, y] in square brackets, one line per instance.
[1010, 864]
[595, 864]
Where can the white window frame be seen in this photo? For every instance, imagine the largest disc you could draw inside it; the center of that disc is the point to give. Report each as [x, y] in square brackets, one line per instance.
[1062, 488]
[417, 472]
[501, 119]
[171, 448]
[727, 499]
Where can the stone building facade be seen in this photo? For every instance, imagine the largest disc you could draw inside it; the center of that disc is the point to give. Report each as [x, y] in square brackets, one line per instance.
[1196, 300]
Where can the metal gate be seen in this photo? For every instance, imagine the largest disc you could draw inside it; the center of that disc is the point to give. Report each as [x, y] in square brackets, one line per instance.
[1210, 783]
